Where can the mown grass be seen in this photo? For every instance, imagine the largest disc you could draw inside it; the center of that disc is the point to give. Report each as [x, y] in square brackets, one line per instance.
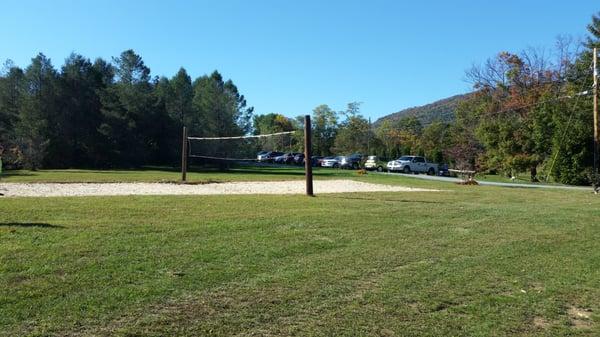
[468, 261]
[162, 174]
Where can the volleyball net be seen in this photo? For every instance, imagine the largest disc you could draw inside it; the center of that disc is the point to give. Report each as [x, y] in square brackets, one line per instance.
[248, 148]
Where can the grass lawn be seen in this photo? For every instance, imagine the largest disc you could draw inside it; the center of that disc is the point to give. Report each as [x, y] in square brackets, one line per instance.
[168, 175]
[469, 261]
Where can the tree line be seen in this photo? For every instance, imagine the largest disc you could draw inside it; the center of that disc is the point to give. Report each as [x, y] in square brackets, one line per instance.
[98, 114]
[529, 112]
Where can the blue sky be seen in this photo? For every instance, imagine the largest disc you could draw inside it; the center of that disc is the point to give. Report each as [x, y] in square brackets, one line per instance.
[290, 56]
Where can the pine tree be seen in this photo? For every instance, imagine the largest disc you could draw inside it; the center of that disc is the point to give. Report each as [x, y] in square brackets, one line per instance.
[37, 116]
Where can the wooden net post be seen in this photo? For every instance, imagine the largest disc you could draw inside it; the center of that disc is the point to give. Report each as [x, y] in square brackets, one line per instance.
[308, 156]
[184, 155]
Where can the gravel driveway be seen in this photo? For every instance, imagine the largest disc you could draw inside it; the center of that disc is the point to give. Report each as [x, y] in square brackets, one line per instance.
[272, 187]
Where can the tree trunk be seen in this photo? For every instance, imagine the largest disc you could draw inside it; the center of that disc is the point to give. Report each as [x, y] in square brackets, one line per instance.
[533, 171]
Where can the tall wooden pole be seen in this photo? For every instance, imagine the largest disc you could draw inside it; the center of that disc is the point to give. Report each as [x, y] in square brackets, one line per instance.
[596, 135]
[184, 155]
[308, 156]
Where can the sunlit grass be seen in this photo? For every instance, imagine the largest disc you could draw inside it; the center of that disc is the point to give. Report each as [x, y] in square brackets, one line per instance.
[469, 261]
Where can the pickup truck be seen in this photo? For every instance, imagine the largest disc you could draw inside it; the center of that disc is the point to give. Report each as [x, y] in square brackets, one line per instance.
[412, 164]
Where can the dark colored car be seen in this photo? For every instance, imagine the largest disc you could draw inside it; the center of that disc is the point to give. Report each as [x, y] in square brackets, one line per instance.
[286, 158]
[315, 161]
[299, 159]
[351, 161]
[270, 157]
[443, 170]
[281, 159]
[292, 158]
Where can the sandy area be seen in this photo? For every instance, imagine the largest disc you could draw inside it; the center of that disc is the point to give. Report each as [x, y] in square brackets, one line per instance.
[272, 187]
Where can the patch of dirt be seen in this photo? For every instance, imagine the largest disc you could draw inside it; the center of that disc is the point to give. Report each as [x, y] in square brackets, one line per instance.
[541, 322]
[537, 287]
[580, 318]
[216, 312]
[468, 182]
[386, 333]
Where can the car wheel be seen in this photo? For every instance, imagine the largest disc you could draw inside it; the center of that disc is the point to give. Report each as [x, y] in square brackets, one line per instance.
[406, 169]
[336, 166]
[355, 166]
[431, 171]
[379, 169]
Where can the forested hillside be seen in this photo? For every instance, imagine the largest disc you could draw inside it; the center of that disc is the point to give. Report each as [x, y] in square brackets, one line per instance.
[442, 110]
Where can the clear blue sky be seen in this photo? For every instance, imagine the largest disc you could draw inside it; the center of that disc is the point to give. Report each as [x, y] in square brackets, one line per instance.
[290, 56]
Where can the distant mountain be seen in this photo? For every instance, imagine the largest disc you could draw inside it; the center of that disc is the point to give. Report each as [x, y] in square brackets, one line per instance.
[439, 110]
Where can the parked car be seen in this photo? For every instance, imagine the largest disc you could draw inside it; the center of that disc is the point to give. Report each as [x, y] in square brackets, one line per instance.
[443, 171]
[351, 162]
[262, 155]
[333, 162]
[286, 158]
[280, 159]
[374, 164]
[319, 160]
[299, 159]
[316, 160]
[412, 164]
[270, 156]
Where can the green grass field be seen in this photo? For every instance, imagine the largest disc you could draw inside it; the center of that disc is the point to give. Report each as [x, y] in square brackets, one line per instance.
[468, 261]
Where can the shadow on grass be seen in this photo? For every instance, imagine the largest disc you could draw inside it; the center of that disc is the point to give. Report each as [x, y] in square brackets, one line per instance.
[279, 170]
[286, 170]
[29, 225]
[391, 200]
[11, 173]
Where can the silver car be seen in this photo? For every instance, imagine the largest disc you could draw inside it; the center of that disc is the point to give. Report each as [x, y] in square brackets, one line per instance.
[262, 155]
[333, 162]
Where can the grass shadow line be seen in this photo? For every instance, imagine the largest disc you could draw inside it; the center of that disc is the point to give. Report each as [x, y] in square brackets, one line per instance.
[29, 225]
[391, 200]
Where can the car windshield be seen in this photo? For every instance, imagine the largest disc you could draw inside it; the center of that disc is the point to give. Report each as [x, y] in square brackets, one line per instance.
[405, 158]
[372, 157]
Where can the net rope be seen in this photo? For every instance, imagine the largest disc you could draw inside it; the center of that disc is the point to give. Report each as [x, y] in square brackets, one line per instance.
[241, 148]
[243, 137]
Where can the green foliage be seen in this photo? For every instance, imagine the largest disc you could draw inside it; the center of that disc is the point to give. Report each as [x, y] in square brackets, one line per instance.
[325, 124]
[434, 138]
[38, 111]
[104, 114]
[12, 91]
[354, 132]
[272, 123]
[128, 111]
[221, 109]
[80, 115]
